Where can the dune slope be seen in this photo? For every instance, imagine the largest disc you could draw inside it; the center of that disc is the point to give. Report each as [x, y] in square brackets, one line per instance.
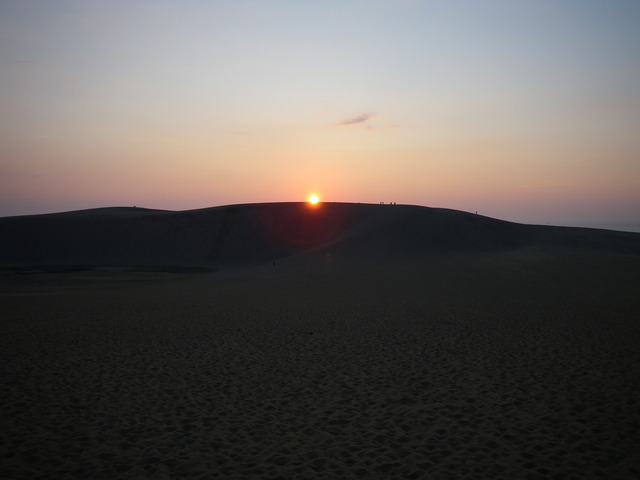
[250, 234]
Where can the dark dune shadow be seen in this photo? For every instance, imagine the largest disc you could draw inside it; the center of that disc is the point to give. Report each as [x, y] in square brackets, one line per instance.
[241, 235]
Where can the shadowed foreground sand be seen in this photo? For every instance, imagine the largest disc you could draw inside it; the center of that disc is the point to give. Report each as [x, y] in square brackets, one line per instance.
[510, 364]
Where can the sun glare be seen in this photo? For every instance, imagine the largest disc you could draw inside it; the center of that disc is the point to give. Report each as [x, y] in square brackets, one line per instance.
[313, 199]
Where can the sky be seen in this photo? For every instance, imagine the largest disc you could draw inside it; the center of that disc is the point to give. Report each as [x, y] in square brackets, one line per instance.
[524, 110]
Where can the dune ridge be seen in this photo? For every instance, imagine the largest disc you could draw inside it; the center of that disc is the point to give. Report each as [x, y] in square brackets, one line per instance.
[235, 235]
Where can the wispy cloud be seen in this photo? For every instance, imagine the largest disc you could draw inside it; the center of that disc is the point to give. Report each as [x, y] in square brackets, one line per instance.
[361, 119]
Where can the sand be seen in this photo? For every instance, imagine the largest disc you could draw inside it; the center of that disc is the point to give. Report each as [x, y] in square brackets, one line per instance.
[246, 235]
[507, 364]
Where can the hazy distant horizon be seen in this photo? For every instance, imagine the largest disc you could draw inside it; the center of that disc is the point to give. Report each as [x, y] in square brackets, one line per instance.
[523, 111]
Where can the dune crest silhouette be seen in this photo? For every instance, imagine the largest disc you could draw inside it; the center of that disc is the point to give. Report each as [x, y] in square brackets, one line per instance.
[236, 235]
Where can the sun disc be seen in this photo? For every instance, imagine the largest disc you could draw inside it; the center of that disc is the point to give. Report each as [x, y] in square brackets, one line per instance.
[313, 199]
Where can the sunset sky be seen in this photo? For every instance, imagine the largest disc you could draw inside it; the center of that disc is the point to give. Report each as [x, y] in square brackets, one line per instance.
[522, 110]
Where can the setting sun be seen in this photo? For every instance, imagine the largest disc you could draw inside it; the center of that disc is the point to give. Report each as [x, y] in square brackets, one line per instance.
[313, 199]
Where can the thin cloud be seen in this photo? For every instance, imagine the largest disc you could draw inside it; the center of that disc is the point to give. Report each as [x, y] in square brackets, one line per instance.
[359, 120]
[362, 121]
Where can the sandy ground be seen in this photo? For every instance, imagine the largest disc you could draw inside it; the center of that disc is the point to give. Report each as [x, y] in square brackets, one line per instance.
[514, 365]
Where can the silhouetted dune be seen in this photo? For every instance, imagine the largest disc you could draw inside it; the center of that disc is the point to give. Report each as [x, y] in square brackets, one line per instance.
[388, 342]
[232, 235]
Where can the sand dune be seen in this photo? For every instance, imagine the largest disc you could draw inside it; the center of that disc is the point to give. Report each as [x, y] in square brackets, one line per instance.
[386, 342]
[251, 234]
